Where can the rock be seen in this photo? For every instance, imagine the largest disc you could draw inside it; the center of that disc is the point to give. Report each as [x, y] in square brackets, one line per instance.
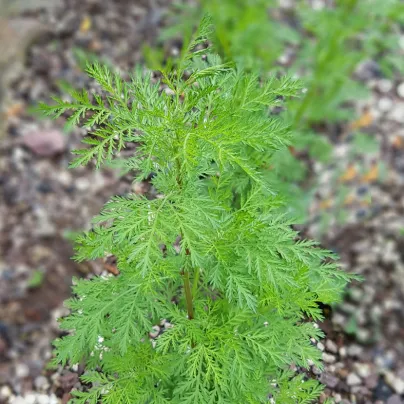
[363, 335]
[400, 90]
[17, 400]
[286, 4]
[316, 370]
[338, 398]
[394, 382]
[342, 352]
[329, 380]
[367, 70]
[331, 346]
[68, 380]
[42, 399]
[385, 104]
[385, 85]
[363, 369]
[82, 184]
[397, 113]
[45, 143]
[385, 361]
[328, 358]
[394, 400]
[5, 392]
[65, 178]
[21, 371]
[45, 227]
[372, 381]
[30, 398]
[41, 383]
[339, 319]
[140, 188]
[155, 332]
[354, 350]
[53, 399]
[353, 379]
[167, 325]
[320, 346]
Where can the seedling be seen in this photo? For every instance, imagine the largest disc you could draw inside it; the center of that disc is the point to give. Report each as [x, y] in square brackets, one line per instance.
[216, 295]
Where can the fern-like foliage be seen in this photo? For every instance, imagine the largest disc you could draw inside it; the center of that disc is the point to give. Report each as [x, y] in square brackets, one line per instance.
[213, 254]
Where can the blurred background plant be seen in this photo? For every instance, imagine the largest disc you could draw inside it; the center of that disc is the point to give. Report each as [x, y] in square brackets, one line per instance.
[326, 45]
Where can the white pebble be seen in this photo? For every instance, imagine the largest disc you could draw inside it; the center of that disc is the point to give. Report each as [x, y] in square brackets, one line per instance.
[385, 85]
[17, 400]
[338, 398]
[331, 346]
[400, 90]
[21, 371]
[395, 383]
[397, 113]
[42, 399]
[82, 184]
[41, 383]
[353, 379]
[328, 358]
[30, 398]
[5, 392]
[53, 399]
[385, 104]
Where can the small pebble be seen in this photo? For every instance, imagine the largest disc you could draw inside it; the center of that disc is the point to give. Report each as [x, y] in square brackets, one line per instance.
[30, 398]
[385, 104]
[41, 383]
[82, 184]
[331, 346]
[328, 358]
[394, 400]
[5, 392]
[354, 350]
[45, 143]
[316, 370]
[385, 85]
[155, 332]
[338, 398]
[394, 382]
[17, 400]
[397, 112]
[21, 371]
[400, 90]
[363, 369]
[353, 379]
[329, 380]
[320, 346]
[342, 352]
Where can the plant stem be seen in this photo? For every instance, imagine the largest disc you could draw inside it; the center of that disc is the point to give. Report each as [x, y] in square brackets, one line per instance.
[196, 281]
[188, 295]
[187, 283]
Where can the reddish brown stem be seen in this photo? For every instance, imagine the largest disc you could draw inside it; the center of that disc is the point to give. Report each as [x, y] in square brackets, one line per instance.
[188, 295]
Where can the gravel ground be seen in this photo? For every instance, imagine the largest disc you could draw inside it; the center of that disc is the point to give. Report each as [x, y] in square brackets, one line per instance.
[41, 201]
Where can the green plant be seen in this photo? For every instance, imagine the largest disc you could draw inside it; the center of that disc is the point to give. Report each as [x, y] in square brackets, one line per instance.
[335, 40]
[244, 30]
[326, 46]
[212, 254]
